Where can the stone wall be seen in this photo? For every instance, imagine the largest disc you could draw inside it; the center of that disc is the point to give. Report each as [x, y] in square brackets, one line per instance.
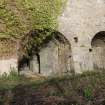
[8, 55]
[82, 19]
[53, 58]
[98, 45]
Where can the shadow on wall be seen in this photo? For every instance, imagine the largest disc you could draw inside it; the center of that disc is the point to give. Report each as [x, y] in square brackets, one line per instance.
[46, 52]
[98, 44]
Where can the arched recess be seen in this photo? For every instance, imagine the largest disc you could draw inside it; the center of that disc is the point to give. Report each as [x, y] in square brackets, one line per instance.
[53, 57]
[98, 44]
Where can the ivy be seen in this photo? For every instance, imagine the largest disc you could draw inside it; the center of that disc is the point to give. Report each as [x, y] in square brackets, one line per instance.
[20, 16]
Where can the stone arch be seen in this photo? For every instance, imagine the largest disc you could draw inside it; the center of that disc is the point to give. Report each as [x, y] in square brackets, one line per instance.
[53, 57]
[98, 45]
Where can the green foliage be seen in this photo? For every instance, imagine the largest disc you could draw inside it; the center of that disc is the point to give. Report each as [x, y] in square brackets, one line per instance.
[88, 93]
[13, 76]
[20, 16]
[1, 101]
[75, 90]
[37, 39]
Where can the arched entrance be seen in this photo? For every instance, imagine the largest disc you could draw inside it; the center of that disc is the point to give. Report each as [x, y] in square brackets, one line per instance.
[53, 57]
[98, 44]
[56, 56]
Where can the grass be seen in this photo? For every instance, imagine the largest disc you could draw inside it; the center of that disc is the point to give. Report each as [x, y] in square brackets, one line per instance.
[79, 89]
[92, 78]
[8, 82]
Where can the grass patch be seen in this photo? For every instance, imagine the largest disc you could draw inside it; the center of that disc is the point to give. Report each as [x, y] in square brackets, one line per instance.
[79, 89]
[9, 81]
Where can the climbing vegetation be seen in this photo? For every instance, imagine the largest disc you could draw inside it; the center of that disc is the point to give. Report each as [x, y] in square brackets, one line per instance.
[17, 17]
[36, 39]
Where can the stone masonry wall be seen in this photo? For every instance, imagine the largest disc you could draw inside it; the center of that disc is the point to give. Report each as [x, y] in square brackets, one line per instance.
[8, 55]
[82, 19]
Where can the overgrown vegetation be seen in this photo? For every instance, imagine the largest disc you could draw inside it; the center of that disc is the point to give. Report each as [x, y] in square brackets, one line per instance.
[17, 17]
[38, 38]
[34, 41]
[81, 89]
[8, 81]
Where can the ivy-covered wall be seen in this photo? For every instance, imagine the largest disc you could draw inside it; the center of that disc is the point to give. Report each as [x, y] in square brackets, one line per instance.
[17, 17]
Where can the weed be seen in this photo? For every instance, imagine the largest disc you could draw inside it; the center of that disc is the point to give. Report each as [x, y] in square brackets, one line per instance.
[88, 93]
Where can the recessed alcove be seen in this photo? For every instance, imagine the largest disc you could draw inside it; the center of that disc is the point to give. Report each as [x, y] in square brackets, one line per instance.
[53, 57]
[98, 45]
[76, 39]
